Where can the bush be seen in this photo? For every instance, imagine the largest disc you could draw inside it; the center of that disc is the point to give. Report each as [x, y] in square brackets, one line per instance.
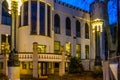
[3, 76]
[97, 72]
[75, 65]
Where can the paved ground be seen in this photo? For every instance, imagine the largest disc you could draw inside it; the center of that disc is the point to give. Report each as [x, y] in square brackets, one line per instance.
[83, 76]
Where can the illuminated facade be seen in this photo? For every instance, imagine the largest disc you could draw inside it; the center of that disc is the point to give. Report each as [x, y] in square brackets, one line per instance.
[52, 24]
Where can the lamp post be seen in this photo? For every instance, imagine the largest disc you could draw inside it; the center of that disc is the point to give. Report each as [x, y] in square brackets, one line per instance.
[97, 28]
[13, 62]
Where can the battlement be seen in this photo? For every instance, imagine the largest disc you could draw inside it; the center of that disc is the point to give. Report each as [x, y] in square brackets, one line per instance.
[70, 6]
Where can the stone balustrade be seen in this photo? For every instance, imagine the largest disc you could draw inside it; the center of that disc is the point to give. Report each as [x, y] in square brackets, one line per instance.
[47, 57]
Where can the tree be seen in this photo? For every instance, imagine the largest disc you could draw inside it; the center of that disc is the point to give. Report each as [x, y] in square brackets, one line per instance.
[75, 65]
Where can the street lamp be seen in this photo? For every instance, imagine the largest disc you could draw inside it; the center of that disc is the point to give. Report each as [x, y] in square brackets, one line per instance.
[13, 62]
[97, 28]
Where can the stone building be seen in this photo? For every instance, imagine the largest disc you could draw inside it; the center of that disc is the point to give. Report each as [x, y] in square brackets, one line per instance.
[52, 25]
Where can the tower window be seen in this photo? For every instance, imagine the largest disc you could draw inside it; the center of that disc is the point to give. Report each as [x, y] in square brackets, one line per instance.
[57, 24]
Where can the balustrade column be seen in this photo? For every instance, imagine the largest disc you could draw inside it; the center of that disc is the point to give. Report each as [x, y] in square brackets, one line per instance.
[35, 60]
[62, 63]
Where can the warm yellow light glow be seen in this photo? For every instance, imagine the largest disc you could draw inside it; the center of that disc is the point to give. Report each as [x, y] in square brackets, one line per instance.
[97, 23]
[10, 5]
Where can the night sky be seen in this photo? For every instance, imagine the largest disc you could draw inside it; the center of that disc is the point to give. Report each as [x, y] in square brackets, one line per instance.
[85, 4]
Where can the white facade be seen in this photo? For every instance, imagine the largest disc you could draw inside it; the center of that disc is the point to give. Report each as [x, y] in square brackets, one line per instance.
[30, 31]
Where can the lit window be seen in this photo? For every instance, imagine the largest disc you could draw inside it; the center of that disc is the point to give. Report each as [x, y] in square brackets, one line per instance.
[30, 65]
[78, 50]
[42, 48]
[86, 51]
[68, 48]
[57, 46]
[24, 65]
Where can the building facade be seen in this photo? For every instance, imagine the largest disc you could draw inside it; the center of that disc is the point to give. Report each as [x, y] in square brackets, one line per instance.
[51, 24]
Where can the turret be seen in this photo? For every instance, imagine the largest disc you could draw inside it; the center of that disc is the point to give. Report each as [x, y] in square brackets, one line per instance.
[97, 10]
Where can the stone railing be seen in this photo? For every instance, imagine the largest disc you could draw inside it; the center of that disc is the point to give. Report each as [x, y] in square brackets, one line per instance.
[48, 57]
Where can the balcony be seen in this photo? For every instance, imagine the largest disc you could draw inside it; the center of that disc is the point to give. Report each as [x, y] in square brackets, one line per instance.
[46, 57]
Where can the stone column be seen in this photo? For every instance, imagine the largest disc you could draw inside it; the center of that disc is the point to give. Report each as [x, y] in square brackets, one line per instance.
[35, 60]
[62, 63]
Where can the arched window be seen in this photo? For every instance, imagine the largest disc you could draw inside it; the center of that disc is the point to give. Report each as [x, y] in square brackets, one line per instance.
[6, 17]
[33, 17]
[25, 16]
[68, 27]
[78, 29]
[57, 24]
[86, 31]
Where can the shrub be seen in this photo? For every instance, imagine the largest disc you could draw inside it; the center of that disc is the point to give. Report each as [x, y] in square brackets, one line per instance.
[75, 65]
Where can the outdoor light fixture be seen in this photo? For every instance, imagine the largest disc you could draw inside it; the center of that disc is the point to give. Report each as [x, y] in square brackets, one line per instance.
[97, 23]
[10, 5]
[13, 62]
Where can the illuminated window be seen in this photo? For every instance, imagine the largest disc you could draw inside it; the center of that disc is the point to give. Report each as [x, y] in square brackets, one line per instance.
[86, 51]
[78, 32]
[68, 27]
[86, 31]
[33, 17]
[42, 18]
[42, 48]
[78, 50]
[30, 65]
[68, 48]
[57, 24]
[6, 17]
[1, 65]
[24, 65]
[57, 46]
[25, 13]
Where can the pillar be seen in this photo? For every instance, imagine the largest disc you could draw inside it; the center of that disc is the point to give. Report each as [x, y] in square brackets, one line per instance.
[35, 60]
[62, 63]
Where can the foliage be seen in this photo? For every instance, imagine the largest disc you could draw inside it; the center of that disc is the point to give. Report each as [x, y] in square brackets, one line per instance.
[3, 77]
[97, 72]
[75, 65]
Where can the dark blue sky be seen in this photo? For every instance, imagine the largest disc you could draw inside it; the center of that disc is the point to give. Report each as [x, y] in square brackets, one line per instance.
[84, 4]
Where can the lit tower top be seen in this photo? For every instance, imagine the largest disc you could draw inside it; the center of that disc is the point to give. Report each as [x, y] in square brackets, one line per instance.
[19, 2]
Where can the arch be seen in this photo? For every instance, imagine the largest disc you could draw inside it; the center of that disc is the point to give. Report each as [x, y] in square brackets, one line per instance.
[86, 31]
[68, 26]
[78, 29]
[57, 23]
